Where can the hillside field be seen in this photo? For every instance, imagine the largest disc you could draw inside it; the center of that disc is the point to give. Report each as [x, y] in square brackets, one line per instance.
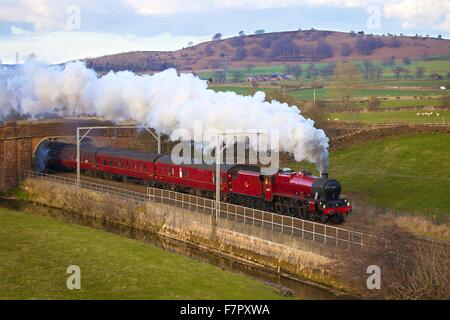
[439, 64]
[258, 51]
[37, 250]
[408, 174]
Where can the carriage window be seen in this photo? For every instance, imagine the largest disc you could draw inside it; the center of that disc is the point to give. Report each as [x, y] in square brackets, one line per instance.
[173, 171]
[120, 163]
[104, 162]
[110, 163]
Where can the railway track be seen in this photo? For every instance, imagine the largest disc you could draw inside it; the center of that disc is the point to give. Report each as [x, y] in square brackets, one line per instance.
[297, 227]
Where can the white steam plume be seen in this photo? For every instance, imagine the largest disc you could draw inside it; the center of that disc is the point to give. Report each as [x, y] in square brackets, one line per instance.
[165, 101]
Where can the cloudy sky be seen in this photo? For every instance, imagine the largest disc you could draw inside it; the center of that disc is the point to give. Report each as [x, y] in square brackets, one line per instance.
[61, 30]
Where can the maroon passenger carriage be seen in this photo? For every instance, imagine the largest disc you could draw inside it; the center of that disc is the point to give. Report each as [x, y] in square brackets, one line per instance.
[297, 194]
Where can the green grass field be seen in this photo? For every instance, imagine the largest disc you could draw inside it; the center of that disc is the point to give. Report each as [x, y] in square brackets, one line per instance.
[35, 252]
[434, 84]
[396, 103]
[325, 93]
[410, 174]
[392, 117]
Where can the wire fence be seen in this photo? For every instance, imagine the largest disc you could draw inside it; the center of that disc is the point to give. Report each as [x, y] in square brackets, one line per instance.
[329, 235]
[310, 230]
[322, 233]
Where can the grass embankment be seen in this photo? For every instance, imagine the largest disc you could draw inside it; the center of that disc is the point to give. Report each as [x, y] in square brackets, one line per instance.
[36, 252]
[410, 174]
[393, 117]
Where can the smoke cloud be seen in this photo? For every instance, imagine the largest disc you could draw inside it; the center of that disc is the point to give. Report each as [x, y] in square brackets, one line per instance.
[165, 101]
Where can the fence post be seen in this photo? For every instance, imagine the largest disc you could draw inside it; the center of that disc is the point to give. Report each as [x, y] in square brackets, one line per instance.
[292, 226]
[314, 232]
[272, 220]
[303, 229]
[337, 236]
[349, 239]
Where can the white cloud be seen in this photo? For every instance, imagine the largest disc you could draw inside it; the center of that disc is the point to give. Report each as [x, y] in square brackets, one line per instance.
[19, 31]
[165, 7]
[46, 15]
[415, 13]
[56, 47]
[411, 13]
[51, 15]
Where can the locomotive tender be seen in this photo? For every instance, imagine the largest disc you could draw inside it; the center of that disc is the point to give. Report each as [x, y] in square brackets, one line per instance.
[297, 194]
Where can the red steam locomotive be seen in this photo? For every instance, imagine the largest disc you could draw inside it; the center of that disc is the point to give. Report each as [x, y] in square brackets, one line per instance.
[297, 194]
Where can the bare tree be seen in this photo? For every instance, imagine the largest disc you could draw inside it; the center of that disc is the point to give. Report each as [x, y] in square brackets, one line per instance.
[217, 37]
[397, 71]
[373, 103]
[346, 78]
[444, 100]
[296, 70]
[420, 71]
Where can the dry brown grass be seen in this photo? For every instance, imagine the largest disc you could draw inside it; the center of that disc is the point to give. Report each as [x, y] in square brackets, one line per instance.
[423, 226]
[410, 269]
[367, 217]
[94, 204]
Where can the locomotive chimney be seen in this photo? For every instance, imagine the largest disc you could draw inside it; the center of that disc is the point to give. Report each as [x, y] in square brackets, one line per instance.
[323, 168]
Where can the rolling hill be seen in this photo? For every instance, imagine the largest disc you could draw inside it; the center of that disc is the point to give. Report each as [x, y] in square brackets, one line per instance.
[275, 49]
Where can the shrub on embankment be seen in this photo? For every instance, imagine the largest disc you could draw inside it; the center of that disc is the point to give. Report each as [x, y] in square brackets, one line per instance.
[410, 268]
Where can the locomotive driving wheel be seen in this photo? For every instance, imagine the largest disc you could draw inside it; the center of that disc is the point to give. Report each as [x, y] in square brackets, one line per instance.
[303, 213]
[323, 218]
